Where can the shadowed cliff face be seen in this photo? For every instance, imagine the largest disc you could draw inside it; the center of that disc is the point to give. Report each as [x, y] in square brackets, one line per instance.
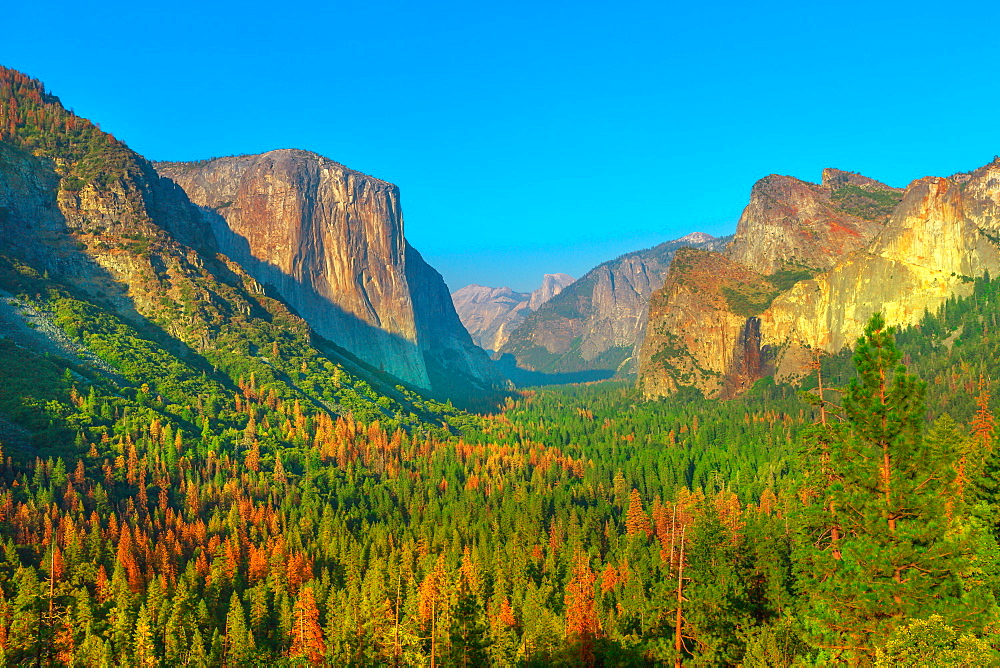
[330, 241]
[28, 188]
[940, 234]
[131, 241]
[455, 365]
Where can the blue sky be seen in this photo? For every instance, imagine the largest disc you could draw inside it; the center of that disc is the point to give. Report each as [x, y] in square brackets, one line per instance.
[534, 137]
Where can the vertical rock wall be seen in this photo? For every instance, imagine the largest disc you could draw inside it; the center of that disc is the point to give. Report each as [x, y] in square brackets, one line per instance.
[330, 241]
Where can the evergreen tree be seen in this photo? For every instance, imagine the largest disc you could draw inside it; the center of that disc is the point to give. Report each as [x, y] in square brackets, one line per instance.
[717, 604]
[145, 651]
[900, 550]
[636, 519]
[240, 647]
[468, 631]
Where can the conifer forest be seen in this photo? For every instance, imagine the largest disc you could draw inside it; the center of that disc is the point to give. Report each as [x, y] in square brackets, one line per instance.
[214, 485]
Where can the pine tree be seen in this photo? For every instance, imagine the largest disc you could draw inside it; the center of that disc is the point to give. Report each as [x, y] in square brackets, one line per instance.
[636, 519]
[240, 648]
[307, 633]
[432, 602]
[986, 480]
[144, 648]
[717, 603]
[468, 631]
[198, 655]
[899, 554]
[503, 634]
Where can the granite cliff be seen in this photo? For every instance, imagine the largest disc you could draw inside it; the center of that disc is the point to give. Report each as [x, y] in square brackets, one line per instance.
[329, 240]
[491, 313]
[792, 223]
[595, 323]
[78, 205]
[699, 339]
[943, 234]
[808, 266]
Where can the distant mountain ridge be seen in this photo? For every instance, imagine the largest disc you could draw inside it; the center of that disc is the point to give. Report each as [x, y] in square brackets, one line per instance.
[596, 323]
[489, 314]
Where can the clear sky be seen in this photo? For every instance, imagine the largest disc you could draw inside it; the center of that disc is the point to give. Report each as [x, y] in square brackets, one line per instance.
[534, 137]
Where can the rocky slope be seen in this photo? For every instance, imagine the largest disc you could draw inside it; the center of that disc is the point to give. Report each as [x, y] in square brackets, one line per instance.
[489, 314]
[595, 323]
[943, 234]
[78, 205]
[699, 338]
[790, 223]
[329, 240]
[822, 259]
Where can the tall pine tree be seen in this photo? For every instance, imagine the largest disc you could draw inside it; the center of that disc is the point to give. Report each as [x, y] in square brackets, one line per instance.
[878, 542]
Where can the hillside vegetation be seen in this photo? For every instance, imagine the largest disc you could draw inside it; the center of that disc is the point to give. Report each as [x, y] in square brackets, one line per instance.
[225, 488]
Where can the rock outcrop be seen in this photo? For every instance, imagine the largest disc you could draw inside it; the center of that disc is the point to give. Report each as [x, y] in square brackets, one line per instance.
[552, 284]
[693, 336]
[120, 239]
[595, 323]
[822, 259]
[329, 240]
[794, 224]
[489, 314]
[941, 236]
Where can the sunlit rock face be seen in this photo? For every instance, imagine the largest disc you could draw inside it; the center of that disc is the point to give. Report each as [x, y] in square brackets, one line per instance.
[823, 258]
[935, 242]
[329, 240]
[693, 336]
[789, 222]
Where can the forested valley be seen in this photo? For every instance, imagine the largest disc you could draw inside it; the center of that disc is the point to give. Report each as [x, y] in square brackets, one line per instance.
[177, 521]
[211, 484]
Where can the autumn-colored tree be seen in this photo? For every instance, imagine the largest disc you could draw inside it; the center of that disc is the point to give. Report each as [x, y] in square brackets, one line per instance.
[252, 457]
[636, 520]
[582, 623]
[432, 600]
[307, 632]
[126, 556]
[983, 422]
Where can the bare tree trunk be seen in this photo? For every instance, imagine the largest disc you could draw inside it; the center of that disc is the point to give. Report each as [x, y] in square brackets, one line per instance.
[396, 649]
[678, 639]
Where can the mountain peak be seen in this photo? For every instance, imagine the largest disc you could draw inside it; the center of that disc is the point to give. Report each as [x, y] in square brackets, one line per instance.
[838, 178]
[490, 314]
[696, 238]
[791, 222]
